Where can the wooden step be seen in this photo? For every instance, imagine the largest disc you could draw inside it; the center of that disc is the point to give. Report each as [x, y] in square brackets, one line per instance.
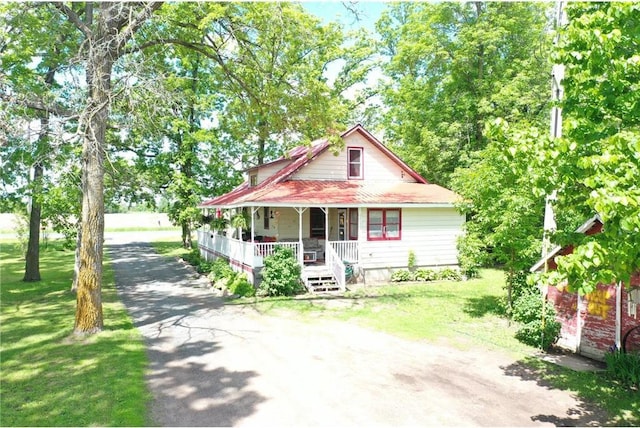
[319, 280]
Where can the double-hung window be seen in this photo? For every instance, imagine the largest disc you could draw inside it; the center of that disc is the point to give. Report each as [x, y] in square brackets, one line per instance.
[355, 162]
[384, 224]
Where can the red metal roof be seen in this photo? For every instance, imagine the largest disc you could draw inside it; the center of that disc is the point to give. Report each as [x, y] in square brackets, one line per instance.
[335, 193]
[279, 190]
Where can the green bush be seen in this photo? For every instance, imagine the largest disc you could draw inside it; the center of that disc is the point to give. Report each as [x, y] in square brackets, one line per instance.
[471, 255]
[402, 275]
[449, 274]
[220, 269]
[281, 274]
[411, 260]
[527, 310]
[240, 286]
[195, 259]
[423, 274]
[518, 283]
[624, 367]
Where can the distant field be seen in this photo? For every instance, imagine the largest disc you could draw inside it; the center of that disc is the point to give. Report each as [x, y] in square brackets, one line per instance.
[112, 222]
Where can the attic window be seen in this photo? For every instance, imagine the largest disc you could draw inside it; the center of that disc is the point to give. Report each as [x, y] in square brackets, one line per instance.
[355, 164]
[253, 180]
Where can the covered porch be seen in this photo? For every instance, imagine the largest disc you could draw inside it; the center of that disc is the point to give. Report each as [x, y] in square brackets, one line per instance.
[318, 237]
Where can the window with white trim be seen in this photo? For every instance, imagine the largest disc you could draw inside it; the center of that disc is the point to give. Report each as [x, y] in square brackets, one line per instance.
[384, 224]
[355, 162]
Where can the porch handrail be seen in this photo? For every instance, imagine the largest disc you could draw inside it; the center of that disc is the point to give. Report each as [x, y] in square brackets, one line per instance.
[337, 266]
[264, 249]
[346, 250]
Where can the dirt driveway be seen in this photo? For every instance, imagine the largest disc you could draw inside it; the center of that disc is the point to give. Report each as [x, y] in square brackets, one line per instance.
[213, 364]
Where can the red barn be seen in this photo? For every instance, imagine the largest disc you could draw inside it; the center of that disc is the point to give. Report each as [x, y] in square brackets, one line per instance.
[593, 323]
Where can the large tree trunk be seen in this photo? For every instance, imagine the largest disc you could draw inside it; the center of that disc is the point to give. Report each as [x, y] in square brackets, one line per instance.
[32, 259]
[89, 318]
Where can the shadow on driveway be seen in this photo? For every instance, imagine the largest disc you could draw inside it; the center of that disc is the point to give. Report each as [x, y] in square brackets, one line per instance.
[175, 312]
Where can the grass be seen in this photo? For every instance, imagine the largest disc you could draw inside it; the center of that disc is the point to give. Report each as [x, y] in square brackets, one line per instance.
[464, 314]
[170, 248]
[49, 376]
[621, 404]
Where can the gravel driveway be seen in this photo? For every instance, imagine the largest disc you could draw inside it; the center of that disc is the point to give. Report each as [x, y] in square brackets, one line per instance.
[213, 364]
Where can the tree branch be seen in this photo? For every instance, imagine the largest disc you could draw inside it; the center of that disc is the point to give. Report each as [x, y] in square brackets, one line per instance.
[73, 18]
[136, 22]
[39, 105]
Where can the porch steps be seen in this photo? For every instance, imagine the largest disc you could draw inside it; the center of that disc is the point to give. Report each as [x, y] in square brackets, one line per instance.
[319, 279]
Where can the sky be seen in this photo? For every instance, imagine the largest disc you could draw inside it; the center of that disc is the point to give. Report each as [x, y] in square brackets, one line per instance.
[330, 11]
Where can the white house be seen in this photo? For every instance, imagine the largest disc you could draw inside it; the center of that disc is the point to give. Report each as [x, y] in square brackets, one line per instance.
[362, 208]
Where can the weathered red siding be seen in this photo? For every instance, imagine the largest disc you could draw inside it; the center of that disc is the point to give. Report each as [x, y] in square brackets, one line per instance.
[597, 318]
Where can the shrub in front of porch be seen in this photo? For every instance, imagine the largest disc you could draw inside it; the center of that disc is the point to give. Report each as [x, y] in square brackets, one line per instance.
[222, 276]
[281, 274]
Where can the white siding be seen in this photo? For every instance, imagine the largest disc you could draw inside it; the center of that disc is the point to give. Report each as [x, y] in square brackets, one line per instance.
[429, 232]
[267, 171]
[377, 165]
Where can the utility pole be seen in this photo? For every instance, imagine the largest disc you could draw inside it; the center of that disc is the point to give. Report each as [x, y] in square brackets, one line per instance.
[557, 94]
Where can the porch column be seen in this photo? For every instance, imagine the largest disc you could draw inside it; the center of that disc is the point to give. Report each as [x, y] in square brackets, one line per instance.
[326, 232]
[253, 223]
[300, 249]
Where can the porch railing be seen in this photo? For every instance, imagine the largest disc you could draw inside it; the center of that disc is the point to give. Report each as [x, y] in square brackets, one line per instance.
[346, 250]
[248, 253]
[263, 249]
[337, 267]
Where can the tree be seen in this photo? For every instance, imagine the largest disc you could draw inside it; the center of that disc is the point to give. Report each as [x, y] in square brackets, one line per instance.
[238, 89]
[597, 165]
[502, 198]
[454, 67]
[31, 65]
[271, 61]
[105, 38]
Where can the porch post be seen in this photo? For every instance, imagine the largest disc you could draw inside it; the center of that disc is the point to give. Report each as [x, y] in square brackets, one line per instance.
[300, 249]
[253, 223]
[326, 232]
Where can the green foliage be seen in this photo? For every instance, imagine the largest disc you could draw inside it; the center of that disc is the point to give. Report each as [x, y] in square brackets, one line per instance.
[423, 274]
[449, 274]
[624, 367]
[411, 260]
[535, 328]
[200, 264]
[402, 275]
[517, 284]
[471, 256]
[240, 286]
[220, 269]
[281, 274]
[598, 161]
[455, 66]
[503, 197]
[240, 220]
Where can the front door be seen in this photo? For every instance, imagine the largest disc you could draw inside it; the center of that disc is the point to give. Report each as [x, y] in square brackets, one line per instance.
[342, 225]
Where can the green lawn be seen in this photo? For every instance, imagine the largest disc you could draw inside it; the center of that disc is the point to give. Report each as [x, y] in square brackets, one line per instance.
[51, 378]
[464, 314]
